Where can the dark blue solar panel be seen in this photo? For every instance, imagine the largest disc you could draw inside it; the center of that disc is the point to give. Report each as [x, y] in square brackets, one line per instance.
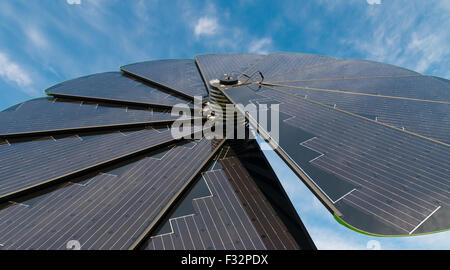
[230, 223]
[416, 87]
[29, 163]
[115, 86]
[383, 180]
[231, 202]
[425, 118]
[12, 108]
[179, 75]
[276, 64]
[442, 79]
[107, 210]
[51, 114]
[335, 68]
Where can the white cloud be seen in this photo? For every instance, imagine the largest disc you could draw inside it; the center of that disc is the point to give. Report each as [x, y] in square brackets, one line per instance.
[261, 46]
[374, 2]
[401, 37]
[12, 72]
[36, 37]
[206, 26]
[74, 2]
[430, 47]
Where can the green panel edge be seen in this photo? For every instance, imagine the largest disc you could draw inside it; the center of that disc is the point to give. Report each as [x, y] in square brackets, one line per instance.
[348, 226]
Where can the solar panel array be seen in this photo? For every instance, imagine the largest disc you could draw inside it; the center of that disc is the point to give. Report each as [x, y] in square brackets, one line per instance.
[107, 212]
[233, 214]
[302, 67]
[95, 153]
[180, 75]
[212, 226]
[384, 138]
[34, 162]
[96, 162]
[430, 119]
[277, 64]
[59, 114]
[404, 87]
[115, 87]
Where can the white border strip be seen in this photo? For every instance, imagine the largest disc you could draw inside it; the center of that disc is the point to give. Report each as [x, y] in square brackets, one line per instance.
[344, 195]
[190, 215]
[425, 219]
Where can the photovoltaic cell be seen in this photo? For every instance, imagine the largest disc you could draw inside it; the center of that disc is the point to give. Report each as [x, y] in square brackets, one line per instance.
[442, 79]
[411, 87]
[52, 114]
[179, 75]
[401, 178]
[272, 230]
[322, 67]
[276, 64]
[219, 222]
[114, 86]
[257, 184]
[233, 214]
[30, 163]
[110, 211]
[425, 118]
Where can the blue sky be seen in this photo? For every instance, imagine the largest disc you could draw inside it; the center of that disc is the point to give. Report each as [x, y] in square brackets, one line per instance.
[48, 41]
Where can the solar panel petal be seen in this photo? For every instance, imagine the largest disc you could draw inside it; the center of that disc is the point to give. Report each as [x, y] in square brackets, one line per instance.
[232, 209]
[421, 88]
[430, 119]
[111, 211]
[31, 164]
[179, 75]
[340, 156]
[277, 65]
[115, 87]
[52, 114]
[316, 67]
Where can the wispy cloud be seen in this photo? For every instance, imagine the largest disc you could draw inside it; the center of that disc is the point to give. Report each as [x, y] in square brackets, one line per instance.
[36, 37]
[374, 2]
[429, 47]
[399, 35]
[261, 46]
[12, 72]
[206, 26]
[74, 2]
